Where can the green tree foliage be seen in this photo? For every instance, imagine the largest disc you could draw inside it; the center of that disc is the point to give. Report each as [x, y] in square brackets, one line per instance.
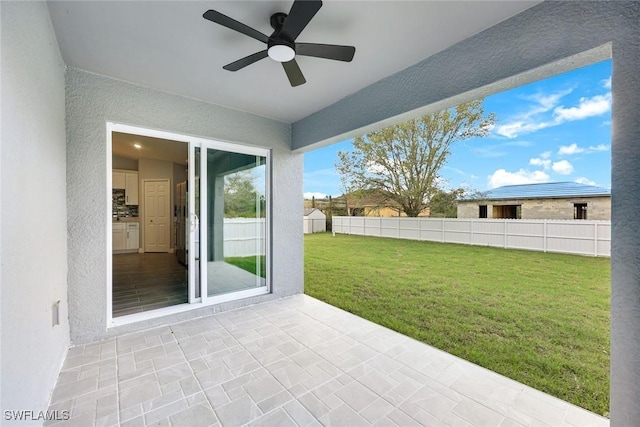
[443, 204]
[403, 161]
[241, 197]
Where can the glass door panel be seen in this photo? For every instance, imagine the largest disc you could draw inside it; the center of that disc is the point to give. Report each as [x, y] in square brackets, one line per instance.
[233, 231]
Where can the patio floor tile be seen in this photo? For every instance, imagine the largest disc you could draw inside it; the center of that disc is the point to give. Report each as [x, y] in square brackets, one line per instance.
[291, 362]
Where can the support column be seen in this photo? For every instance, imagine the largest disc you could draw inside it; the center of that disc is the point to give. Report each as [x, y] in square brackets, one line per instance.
[625, 232]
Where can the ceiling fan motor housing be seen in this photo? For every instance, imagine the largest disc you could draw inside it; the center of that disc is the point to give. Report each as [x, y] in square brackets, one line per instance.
[277, 38]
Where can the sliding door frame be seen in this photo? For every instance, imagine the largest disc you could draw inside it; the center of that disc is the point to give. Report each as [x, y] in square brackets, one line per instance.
[193, 301]
[232, 148]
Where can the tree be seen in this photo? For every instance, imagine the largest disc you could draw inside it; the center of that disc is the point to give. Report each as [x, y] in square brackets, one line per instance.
[241, 197]
[443, 204]
[403, 161]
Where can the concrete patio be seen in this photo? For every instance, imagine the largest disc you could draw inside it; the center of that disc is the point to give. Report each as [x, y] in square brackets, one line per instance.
[291, 362]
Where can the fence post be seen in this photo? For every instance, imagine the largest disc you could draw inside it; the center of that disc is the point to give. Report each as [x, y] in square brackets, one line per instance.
[471, 238]
[595, 238]
[504, 221]
[544, 236]
[442, 230]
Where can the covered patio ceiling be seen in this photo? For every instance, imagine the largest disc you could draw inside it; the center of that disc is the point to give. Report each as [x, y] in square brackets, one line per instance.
[168, 45]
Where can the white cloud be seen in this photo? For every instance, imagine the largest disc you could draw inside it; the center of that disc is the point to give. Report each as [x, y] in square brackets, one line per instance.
[535, 118]
[563, 167]
[545, 102]
[599, 147]
[569, 149]
[525, 122]
[545, 155]
[584, 180]
[545, 163]
[588, 107]
[502, 177]
[517, 128]
[499, 150]
[310, 194]
[606, 83]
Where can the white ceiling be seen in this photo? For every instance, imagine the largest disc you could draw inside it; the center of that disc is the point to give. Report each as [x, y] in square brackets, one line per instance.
[150, 148]
[168, 45]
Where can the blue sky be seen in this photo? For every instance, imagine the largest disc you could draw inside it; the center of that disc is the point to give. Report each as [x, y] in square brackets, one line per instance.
[553, 130]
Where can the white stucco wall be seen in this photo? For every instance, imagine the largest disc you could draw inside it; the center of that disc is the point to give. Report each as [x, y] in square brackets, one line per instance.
[33, 208]
[548, 39]
[92, 100]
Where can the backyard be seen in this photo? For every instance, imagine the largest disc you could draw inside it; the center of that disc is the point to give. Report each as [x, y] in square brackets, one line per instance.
[539, 318]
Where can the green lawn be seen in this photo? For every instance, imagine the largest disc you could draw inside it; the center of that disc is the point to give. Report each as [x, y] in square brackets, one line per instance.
[541, 319]
[248, 263]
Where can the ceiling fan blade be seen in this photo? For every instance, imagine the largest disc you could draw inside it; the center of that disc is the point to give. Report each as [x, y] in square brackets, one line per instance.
[232, 24]
[293, 73]
[328, 51]
[299, 16]
[247, 60]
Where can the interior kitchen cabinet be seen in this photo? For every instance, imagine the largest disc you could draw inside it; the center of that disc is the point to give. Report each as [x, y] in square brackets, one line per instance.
[132, 238]
[119, 236]
[127, 181]
[126, 236]
[131, 188]
[118, 180]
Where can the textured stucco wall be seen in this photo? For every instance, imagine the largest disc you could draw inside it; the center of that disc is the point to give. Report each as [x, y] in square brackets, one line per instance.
[92, 100]
[625, 223]
[598, 208]
[547, 39]
[33, 216]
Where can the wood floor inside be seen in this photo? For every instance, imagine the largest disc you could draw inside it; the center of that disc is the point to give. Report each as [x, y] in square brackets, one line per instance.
[148, 281]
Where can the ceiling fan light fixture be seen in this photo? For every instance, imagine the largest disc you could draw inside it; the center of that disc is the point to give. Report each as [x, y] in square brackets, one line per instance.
[281, 53]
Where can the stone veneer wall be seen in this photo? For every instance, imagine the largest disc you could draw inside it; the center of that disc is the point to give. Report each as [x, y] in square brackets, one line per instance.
[598, 208]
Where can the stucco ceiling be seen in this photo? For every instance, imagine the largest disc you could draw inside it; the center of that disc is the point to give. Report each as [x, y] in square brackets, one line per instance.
[167, 45]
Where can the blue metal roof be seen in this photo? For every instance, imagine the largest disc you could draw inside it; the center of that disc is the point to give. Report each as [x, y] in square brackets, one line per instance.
[541, 191]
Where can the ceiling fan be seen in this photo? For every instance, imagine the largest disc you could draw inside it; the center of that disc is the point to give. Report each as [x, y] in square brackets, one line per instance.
[281, 44]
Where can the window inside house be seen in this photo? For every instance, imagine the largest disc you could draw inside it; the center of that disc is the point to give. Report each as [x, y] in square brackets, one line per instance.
[579, 211]
[483, 211]
[507, 211]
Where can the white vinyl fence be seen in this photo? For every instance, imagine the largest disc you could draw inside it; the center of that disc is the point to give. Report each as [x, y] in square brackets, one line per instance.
[569, 236]
[244, 237]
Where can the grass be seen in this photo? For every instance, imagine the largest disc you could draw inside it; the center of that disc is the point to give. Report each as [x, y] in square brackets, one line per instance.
[541, 319]
[248, 263]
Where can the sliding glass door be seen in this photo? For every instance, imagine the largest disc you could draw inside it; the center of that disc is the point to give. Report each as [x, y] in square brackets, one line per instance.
[230, 230]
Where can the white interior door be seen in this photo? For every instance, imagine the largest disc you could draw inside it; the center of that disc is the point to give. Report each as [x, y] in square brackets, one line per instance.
[157, 215]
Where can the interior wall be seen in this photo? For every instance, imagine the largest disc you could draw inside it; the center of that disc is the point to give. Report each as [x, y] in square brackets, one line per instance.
[92, 101]
[125, 163]
[33, 219]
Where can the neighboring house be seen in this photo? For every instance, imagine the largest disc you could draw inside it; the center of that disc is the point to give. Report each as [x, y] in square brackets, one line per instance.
[556, 200]
[374, 204]
[314, 221]
[75, 72]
